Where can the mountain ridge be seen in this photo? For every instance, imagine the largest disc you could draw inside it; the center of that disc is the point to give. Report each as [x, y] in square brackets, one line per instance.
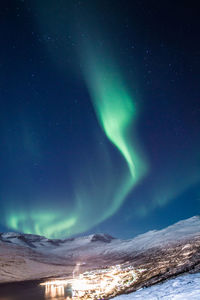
[178, 230]
[159, 253]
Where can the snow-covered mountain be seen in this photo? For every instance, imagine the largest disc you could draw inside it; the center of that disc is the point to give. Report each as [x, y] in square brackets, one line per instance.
[160, 254]
[42, 243]
[105, 243]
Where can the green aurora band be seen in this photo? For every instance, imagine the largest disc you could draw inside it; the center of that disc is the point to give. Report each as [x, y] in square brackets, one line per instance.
[101, 196]
[50, 224]
[101, 189]
[102, 182]
[117, 114]
[115, 111]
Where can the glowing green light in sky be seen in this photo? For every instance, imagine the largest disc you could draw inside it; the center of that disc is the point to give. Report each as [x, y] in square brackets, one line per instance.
[115, 107]
[102, 188]
[106, 171]
[50, 224]
[100, 185]
[115, 110]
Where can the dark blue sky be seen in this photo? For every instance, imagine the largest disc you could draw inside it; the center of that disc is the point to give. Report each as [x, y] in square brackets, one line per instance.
[60, 175]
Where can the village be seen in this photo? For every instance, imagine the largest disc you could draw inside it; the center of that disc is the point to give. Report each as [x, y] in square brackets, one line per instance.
[96, 284]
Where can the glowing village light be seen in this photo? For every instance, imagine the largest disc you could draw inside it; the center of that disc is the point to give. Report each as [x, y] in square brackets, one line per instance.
[96, 284]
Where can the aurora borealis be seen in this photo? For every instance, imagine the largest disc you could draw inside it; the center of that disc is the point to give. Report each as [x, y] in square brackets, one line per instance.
[100, 117]
[114, 106]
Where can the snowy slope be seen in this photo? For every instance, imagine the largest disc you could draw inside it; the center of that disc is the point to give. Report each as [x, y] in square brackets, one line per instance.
[180, 288]
[162, 253]
[18, 263]
[180, 231]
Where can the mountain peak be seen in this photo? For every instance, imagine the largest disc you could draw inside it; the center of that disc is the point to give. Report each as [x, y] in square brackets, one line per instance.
[101, 237]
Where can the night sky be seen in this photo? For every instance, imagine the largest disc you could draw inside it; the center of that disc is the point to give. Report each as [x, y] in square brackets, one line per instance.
[99, 116]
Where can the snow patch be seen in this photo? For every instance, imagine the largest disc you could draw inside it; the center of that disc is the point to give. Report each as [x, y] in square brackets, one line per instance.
[180, 288]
